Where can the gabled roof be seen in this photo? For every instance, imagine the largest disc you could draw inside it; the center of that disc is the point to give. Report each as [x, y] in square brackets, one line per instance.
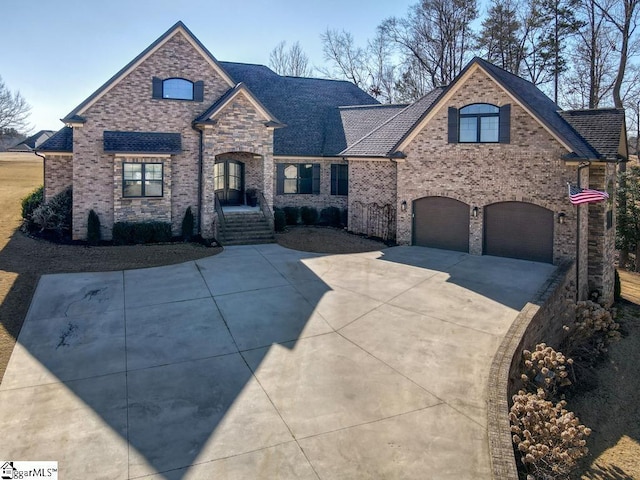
[308, 106]
[142, 142]
[604, 129]
[383, 141]
[179, 27]
[360, 120]
[61, 141]
[547, 112]
[222, 102]
[33, 142]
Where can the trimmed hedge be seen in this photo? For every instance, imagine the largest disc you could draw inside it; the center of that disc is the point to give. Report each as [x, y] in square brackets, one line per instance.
[93, 228]
[279, 220]
[291, 214]
[330, 216]
[309, 215]
[132, 233]
[188, 223]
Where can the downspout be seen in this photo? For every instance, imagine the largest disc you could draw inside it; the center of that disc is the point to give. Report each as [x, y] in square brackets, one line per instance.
[580, 167]
[200, 174]
[44, 172]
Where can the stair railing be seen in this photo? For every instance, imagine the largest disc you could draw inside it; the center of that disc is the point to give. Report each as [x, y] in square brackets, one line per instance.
[220, 212]
[266, 210]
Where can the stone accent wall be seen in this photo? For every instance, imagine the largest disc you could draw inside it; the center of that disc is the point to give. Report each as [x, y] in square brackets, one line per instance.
[529, 169]
[58, 174]
[539, 321]
[371, 182]
[129, 106]
[324, 198]
[140, 209]
[240, 133]
[602, 239]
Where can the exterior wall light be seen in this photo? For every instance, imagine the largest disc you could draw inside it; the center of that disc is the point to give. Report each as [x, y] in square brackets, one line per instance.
[474, 212]
[561, 218]
[403, 206]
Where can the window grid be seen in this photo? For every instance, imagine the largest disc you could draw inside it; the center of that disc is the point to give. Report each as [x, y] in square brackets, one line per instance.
[479, 123]
[142, 180]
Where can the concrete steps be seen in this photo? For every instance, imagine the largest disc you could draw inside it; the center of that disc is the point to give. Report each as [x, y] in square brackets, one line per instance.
[246, 228]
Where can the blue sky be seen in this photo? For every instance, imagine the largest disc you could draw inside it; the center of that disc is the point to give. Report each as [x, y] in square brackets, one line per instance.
[56, 53]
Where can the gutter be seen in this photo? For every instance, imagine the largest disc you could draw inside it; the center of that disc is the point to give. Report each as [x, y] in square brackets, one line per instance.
[44, 171]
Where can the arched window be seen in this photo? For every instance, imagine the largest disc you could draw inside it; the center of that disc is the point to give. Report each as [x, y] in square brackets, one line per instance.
[177, 88]
[479, 123]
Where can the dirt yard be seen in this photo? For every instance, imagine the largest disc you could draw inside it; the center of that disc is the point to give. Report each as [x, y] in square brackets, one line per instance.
[612, 410]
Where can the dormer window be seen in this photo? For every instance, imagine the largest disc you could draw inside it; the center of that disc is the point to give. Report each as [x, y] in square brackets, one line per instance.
[178, 89]
[480, 123]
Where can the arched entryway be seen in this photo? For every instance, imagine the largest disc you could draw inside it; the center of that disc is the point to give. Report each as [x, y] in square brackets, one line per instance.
[228, 181]
[518, 230]
[441, 222]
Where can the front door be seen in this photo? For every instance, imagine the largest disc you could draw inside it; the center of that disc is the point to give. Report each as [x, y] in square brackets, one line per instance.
[228, 180]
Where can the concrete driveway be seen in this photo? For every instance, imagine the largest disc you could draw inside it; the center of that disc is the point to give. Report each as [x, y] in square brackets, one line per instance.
[264, 363]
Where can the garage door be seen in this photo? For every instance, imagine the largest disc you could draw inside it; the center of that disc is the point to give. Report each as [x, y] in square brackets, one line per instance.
[441, 222]
[518, 230]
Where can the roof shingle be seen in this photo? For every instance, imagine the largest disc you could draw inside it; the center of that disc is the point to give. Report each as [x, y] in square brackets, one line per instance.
[61, 141]
[142, 142]
[602, 128]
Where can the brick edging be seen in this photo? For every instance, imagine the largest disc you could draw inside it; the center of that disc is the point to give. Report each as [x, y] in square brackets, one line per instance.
[503, 462]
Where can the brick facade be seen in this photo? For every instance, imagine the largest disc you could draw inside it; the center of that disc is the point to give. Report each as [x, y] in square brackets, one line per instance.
[58, 174]
[529, 169]
[129, 106]
[240, 133]
[324, 198]
[140, 209]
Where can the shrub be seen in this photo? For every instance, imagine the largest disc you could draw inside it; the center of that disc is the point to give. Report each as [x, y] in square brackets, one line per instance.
[31, 202]
[292, 214]
[130, 233]
[545, 369]
[188, 223]
[330, 216]
[593, 329]
[344, 217]
[279, 220]
[550, 438]
[93, 228]
[56, 214]
[309, 215]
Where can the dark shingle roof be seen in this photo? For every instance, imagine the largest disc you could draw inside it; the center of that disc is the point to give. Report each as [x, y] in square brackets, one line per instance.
[142, 142]
[360, 120]
[33, 142]
[308, 106]
[602, 128]
[240, 87]
[61, 141]
[541, 105]
[382, 141]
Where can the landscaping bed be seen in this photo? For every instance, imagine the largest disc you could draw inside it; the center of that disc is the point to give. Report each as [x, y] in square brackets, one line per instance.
[326, 240]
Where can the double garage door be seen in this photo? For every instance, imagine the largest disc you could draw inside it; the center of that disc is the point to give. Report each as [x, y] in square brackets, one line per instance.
[511, 229]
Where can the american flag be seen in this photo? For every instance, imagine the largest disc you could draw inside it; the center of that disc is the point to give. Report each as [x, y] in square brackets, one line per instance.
[579, 195]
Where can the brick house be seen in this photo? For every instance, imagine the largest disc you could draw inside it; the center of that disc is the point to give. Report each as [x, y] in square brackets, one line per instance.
[479, 166]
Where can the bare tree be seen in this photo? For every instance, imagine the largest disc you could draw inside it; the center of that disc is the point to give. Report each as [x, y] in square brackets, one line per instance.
[347, 60]
[437, 34]
[293, 62]
[14, 110]
[623, 15]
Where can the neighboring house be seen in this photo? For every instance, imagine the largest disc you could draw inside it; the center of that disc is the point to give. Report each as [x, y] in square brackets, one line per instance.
[33, 142]
[479, 166]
